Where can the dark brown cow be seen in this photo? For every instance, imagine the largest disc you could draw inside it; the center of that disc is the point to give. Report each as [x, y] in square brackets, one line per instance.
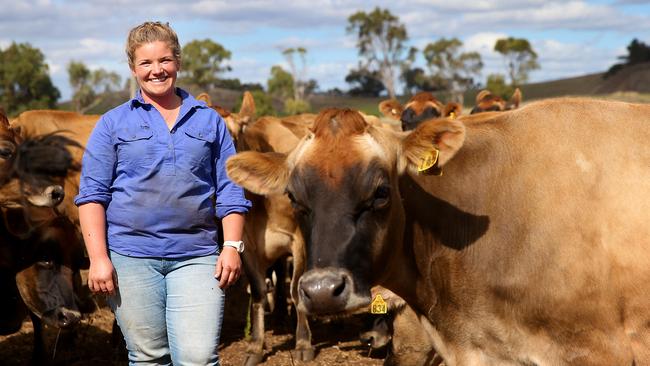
[41, 254]
[42, 251]
[488, 102]
[523, 252]
[31, 170]
[71, 125]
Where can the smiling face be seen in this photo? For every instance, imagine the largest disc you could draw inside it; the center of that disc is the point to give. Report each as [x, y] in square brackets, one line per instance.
[155, 68]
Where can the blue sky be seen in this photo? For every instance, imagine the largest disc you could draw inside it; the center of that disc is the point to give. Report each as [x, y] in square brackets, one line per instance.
[571, 37]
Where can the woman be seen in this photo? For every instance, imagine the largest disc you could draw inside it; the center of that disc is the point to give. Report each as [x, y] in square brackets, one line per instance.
[152, 182]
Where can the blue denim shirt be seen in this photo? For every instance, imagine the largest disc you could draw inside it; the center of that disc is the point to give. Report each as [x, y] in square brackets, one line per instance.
[159, 186]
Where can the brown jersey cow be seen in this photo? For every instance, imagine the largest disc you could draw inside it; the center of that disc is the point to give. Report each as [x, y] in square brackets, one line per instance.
[533, 247]
[74, 126]
[488, 102]
[270, 232]
[32, 169]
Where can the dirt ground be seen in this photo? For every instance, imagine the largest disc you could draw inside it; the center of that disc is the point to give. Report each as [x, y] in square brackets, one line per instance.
[336, 342]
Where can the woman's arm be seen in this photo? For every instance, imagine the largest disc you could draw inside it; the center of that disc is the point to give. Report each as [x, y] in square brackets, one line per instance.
[229, 263]
[101, 278]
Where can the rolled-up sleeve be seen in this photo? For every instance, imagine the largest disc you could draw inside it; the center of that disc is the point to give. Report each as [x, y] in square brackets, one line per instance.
[97, 167]
[230, 196]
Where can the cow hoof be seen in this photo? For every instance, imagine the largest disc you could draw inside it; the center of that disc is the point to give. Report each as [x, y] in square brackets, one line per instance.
[253, 359]
[306, 354]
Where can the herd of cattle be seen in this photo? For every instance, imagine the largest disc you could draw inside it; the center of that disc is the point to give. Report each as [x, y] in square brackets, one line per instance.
[496, 238]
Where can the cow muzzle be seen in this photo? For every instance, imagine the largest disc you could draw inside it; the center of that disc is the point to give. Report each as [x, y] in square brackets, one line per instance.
[61, 317]
[328, 291]
[51, 196]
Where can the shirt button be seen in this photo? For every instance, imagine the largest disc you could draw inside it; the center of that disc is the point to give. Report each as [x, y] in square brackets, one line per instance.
[133, 136]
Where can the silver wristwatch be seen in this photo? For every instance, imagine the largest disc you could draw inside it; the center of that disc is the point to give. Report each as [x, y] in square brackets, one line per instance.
[239, 245]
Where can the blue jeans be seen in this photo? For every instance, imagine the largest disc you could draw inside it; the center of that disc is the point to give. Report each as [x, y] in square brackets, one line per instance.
[169, 310]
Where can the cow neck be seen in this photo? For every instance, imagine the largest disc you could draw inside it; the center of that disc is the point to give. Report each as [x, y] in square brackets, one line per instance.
[446, 215]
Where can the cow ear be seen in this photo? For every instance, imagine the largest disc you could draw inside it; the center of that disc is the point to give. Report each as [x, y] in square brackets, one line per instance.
[260, 173]
[481, 95]
[515, 99]
[4, 121]
[391, 108]
[444, 135]
[205, 97]
[247, 110]
[452, 109]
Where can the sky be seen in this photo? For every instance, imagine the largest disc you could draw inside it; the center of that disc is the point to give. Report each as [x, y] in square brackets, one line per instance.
[571, 38]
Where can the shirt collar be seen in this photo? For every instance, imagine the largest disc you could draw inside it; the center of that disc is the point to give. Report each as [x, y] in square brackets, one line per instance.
[187, 100]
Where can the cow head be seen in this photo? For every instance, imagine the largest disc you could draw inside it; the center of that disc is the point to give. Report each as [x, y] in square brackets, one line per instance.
[342, 180]
[236, 122]
[32, 170]
[421, 107]
[488, 102]
[46, 253]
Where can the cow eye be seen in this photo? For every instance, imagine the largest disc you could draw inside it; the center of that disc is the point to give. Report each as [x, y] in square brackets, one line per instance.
[6, 153]
[381, 197]
[46, 264]
[297, 206]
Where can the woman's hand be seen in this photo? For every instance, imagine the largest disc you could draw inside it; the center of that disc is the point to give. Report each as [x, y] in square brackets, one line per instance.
[228, 267]
[101, 276]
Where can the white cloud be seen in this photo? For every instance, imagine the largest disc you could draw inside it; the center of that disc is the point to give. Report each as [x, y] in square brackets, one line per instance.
[93, 31]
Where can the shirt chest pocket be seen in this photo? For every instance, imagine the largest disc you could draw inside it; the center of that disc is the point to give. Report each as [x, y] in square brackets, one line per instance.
[135, 145]
[199, 143]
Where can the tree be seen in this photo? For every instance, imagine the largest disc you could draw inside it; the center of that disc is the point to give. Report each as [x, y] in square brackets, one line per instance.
[520, 58]
[202, 63]
[280, 84]
[416, 80]
[90, 87]
[24, 80]
[367, 83]
[297, 73]
[637, 52]
[380, 40]
[496, 83]
[453, 69]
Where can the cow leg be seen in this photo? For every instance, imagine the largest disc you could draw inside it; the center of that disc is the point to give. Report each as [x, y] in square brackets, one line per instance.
[38, 352]
[304, 351]
[280, 291]
[256, 277]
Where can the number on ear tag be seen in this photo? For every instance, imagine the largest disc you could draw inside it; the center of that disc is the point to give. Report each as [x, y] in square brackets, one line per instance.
[378, 305]
[428, 160]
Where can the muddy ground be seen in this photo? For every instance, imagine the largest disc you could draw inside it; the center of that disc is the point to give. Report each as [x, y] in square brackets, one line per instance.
[336, 342]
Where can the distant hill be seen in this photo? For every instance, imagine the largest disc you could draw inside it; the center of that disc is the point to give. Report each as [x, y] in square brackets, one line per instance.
[635, 78]
[630, 83]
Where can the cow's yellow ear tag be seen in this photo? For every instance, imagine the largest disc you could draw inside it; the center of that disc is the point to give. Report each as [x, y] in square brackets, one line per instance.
[452, 115]
[378, 305]
[429, 163]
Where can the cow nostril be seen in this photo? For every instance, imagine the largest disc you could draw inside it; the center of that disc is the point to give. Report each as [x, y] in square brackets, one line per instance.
[58, 193]
[338, 290]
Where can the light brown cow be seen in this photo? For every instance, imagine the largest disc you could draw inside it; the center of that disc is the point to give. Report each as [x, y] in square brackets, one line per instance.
[488, 102]
[533, 247]
[421, 107]
[270, 231]
[401, 332]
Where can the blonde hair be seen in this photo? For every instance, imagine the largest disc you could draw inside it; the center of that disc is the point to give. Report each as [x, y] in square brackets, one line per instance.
[148, 32]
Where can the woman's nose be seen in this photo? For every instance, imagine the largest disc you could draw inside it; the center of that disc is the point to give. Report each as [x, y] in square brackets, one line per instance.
[158, 68]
